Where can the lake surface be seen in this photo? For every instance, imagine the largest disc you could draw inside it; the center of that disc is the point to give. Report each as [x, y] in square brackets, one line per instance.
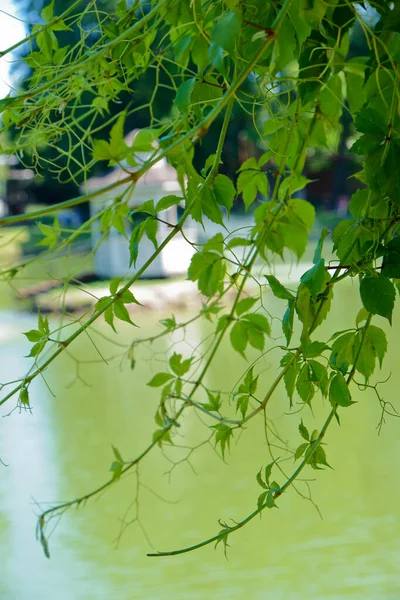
[63, 449]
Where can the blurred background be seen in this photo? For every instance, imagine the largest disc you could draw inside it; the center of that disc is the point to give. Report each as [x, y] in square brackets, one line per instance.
[343, 542]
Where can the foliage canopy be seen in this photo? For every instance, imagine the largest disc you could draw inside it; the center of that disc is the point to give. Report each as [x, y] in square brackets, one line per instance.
[287, 66]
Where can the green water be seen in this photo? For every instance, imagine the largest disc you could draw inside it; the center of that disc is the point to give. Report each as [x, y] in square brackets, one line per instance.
[63, 449]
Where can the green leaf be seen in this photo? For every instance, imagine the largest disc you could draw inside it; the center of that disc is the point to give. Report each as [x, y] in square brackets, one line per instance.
[339, 394]
[331, 98]
[250, 382]
[369, 120]
[206, 92]
[162, 436]
[114, 283]
[118, 147]
[391, 260]
[117, 454]
[51, 234]
[378, 295]
[109, 317]
[354, 74]
[304, 431]
[285, 46]
[183, 95]
[145, 140]
[160, 379]
[391, 265]
[242, 404]
[118, 222]
[121, 312]
[238, 242]
[255, 337]
[227, 30]
[294, 237]
[318, 458]
[267, 473]
[151, 231]
[210, 206]
[291, 184]
[304, 211]
[24, 396]
[43, 324]
[314, 278]
[319, 375]
[245, 305]
[301, 26]
[278, 289]
[313, 11]
[304, 308]
[361, 316]
[261, 500]
[214, 402]
[224, 191]
[287, 322]
[102, 303]
[47, 12]
[300, 450]
[216, 57]
[260, 480]
[304, 386]
[365, 144]
[274, 487]
[259, 322]
[208, 269]
[289, 379]
[136, 236]
[270, 502]
[167, 202]
[169, 323]
[116, 469]
[250, 182]
[36, 349]
[342, 355]
[314, 349]
[378, 339]
[33, 335]
[101, 150]
[366, 355]
[373, 344]
[128, 298]
[200, 53]
[358, 203]
[238, 337]
[147, 208]
[223, 434]
[320, 244]
[178, 366]
[249, 164]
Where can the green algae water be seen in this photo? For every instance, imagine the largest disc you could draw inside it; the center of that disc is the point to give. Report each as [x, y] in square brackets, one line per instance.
[63, 450]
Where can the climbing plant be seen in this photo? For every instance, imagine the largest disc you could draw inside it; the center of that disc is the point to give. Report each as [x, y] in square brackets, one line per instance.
[287, 65]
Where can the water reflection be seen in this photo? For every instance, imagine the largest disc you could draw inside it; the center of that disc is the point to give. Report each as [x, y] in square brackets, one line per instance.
[64, 449]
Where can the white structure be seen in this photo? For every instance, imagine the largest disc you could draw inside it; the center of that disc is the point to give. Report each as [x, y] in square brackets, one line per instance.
[112, 256]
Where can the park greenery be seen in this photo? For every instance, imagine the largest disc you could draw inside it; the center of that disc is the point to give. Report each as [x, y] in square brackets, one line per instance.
[285, 64]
